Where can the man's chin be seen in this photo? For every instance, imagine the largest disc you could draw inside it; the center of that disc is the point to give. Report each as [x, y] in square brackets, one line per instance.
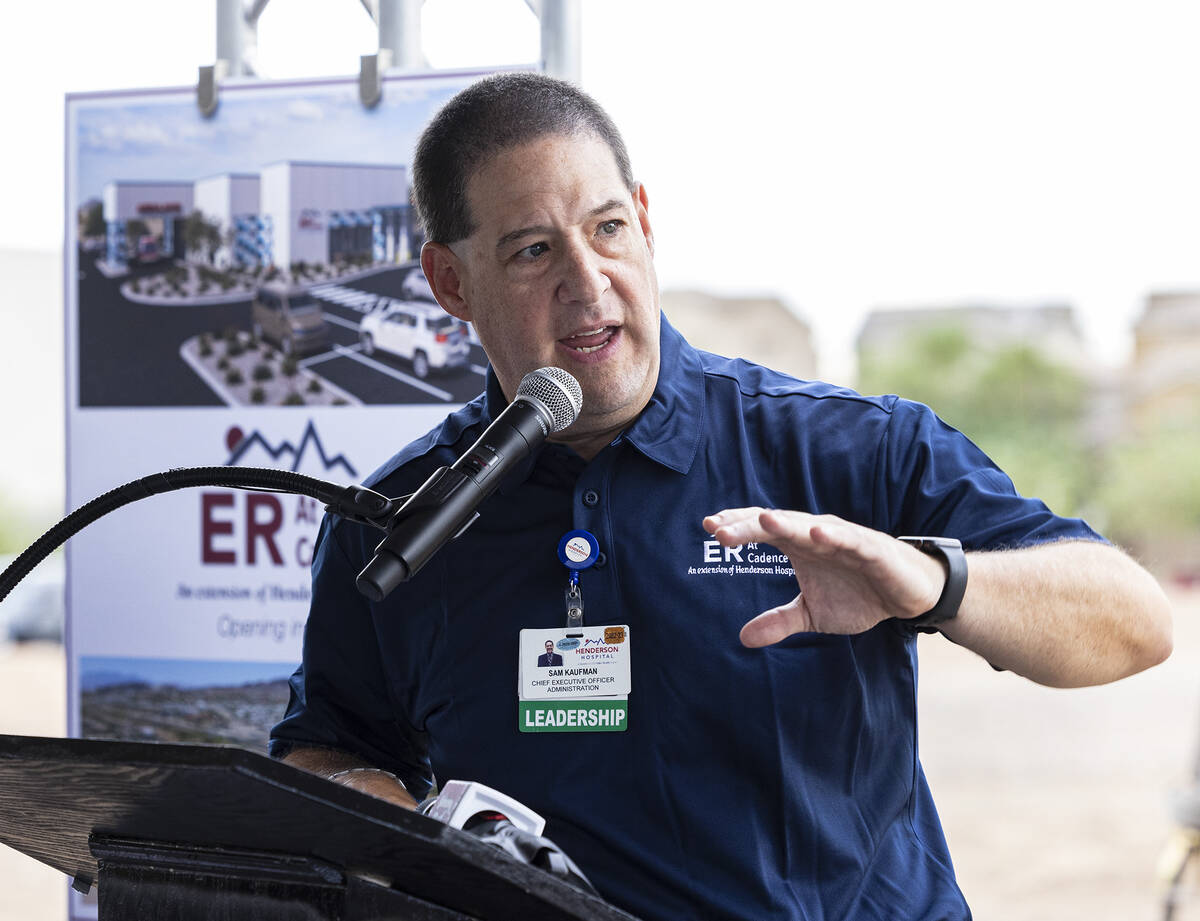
[613, 395]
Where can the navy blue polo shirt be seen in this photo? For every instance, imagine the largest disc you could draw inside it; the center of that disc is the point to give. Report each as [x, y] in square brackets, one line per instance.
[776, 783]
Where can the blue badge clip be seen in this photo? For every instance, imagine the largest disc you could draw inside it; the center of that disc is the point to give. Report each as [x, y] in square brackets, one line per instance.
[578, 550]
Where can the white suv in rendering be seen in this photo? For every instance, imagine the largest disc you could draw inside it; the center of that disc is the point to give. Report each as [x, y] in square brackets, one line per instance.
[418, 330]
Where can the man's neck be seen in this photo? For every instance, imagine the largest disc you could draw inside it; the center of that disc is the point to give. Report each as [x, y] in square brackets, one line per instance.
[587, 444]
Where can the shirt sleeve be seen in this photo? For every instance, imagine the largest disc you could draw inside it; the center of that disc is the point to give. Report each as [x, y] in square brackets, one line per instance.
[339, 694]
[932, 480]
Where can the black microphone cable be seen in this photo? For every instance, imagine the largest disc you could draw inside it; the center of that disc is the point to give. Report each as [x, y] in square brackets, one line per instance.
[354, 502]
[548, 400]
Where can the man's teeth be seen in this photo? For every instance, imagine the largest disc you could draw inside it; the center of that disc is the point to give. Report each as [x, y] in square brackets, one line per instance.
[587, 349]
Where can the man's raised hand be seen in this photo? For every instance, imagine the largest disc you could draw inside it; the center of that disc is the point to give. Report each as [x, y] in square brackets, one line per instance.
[850, 577]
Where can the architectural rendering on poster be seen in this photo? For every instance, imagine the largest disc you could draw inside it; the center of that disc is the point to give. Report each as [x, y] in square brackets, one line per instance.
[185, 226]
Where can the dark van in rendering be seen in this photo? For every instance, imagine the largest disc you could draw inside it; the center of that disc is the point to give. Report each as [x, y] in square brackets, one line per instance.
[288, 317]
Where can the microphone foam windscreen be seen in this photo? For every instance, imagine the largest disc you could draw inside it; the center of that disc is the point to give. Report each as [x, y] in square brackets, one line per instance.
[557, 391]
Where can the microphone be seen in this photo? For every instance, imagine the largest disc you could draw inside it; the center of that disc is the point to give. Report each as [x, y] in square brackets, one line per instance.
[547, 401]
[503, 822]
[464, 802]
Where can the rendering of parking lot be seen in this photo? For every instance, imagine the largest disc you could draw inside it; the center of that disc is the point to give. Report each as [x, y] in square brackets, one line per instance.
[202, 347]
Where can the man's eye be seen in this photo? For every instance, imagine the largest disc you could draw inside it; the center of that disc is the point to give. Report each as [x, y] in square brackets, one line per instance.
[533, 251]
[608, 228]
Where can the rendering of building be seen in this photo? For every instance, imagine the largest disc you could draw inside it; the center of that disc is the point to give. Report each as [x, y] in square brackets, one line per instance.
[324, 212]
[161, 206]
[292, 211]
[232, 200]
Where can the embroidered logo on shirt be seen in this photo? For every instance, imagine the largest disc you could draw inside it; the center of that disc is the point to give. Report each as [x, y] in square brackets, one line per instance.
[744, 559]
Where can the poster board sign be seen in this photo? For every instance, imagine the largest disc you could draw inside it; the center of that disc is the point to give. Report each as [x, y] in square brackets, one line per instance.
[240, 289]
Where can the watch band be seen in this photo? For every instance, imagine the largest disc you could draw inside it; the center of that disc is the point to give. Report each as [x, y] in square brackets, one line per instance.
[950, 552]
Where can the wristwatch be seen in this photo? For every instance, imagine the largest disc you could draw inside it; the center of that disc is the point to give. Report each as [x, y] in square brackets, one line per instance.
[950, 552]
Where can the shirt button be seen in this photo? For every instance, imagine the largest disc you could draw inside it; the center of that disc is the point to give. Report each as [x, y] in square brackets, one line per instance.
[601, 560]
[591, 498]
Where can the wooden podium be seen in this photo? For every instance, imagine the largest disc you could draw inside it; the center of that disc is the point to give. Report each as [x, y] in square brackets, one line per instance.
[210, 833]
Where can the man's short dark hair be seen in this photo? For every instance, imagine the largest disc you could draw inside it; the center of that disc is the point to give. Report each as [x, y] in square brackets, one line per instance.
[487, 117]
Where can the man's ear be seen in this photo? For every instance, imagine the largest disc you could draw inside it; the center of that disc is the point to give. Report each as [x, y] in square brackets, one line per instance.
[641, 202]
[444, 270]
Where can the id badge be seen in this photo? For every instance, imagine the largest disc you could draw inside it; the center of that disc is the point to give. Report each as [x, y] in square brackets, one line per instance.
[567, 682]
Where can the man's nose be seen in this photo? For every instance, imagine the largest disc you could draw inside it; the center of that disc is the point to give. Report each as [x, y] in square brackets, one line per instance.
[583, 279]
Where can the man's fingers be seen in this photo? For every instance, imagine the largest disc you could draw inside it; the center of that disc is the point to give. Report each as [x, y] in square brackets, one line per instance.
[784, 529]
[729, 517]
[741, 525]
[795, 533]
[774, 625]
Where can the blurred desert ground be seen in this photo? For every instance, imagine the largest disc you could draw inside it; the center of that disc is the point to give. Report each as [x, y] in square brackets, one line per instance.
[1055, 802]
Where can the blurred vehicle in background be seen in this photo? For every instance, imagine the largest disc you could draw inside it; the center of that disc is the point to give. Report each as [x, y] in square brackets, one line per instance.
[287, 316]
[34, 610]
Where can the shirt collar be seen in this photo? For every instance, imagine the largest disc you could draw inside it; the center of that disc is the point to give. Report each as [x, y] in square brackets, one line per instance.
[668, 429]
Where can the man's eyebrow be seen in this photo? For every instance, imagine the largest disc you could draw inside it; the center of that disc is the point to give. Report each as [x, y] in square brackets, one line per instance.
[514, 235]
[541, 229]
[612, 204]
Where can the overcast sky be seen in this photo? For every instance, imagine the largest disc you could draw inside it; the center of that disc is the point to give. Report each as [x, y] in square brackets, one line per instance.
[844, 156]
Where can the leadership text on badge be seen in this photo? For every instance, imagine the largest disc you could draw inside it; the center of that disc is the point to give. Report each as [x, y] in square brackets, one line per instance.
[572, 715]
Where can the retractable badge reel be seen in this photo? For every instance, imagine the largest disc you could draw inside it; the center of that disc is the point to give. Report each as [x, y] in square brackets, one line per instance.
[577, 550]
[581, 682]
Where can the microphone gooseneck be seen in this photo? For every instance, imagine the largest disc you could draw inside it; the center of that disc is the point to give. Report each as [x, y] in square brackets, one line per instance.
[547, 401]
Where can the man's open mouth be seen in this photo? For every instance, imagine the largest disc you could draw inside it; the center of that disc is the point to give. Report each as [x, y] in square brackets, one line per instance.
[589, 340]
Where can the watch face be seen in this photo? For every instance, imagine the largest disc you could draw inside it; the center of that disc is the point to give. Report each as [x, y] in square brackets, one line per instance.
[922, 542]
[949, 542]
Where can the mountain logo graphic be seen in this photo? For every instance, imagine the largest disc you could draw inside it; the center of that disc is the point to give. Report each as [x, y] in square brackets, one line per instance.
[238, 443]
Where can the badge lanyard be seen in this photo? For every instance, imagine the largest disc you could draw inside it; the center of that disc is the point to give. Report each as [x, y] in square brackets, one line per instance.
[577, 550]
[581, 681]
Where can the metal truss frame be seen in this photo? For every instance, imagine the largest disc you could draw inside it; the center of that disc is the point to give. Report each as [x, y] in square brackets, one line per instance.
[399, 25]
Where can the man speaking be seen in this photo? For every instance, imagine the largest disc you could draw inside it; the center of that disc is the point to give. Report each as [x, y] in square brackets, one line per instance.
[733, 734]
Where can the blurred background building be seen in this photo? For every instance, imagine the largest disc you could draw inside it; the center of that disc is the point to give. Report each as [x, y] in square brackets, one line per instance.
[1051, 329]
[761, 329]
[1163, 378]
[1117, 446]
